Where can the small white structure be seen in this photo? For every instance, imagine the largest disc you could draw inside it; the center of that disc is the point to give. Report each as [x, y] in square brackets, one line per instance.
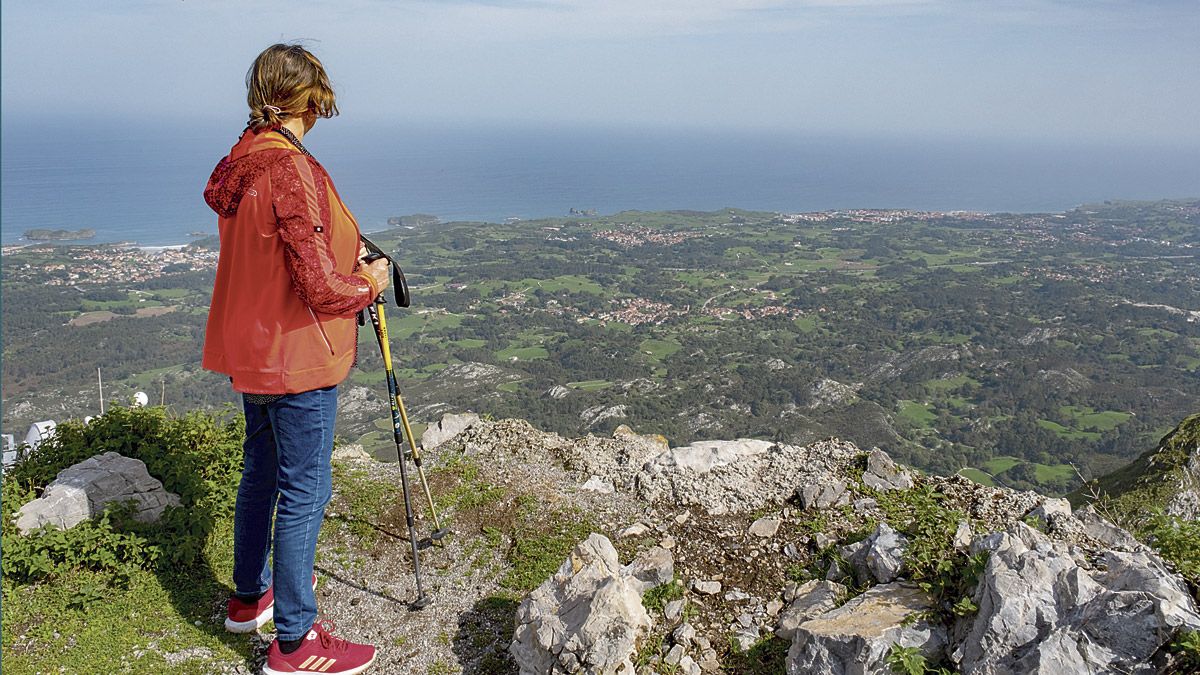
[140, 399]
[38, 432]
[10, 448]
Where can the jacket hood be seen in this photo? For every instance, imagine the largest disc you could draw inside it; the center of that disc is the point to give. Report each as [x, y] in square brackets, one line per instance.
[237, 172]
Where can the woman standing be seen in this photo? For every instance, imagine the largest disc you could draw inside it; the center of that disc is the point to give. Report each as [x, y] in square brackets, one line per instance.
[281, 325]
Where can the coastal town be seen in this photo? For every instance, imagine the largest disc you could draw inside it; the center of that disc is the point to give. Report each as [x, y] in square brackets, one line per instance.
[76, 265]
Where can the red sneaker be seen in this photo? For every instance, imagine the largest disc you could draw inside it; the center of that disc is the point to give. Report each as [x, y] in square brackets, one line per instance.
[320, 652]
[246, 617]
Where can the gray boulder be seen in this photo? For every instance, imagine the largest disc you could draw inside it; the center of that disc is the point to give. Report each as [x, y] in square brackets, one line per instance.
[588, 617]
[822, 494]
[883, 474]
[855, 639]
[879, 556]
[84, 490]
[812, 599]
[446, 428]
[1041, 612]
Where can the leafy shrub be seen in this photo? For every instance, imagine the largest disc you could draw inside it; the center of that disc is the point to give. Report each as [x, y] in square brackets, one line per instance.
[931, 558]
[1177, 541]
[197, 456]
[1186, 648]
[910, 661]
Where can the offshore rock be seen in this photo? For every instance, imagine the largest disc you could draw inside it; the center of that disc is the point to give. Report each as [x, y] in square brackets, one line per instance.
[446, 428]
[855, 638]
[83, 490]
[588, 617]
[1041, 612]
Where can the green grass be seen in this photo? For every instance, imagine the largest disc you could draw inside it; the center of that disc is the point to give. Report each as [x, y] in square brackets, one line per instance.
[660, 349]
[1069, 433]
[978, 476]
[916, 414]
[1089, 419]
[998, 465]
[590, 385]
[363, 498]
[807, 324]
[1051, 472]
[522, 353]
[540, 544]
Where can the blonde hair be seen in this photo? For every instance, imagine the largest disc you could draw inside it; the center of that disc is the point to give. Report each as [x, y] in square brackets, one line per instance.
[286, 81]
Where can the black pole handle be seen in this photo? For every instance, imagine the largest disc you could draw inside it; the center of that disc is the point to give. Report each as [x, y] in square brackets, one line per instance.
[399, 283]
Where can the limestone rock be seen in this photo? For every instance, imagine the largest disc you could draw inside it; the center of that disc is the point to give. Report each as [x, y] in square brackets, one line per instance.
[879, 556]
[598, 484]
[1052, 510]
[1040, 612]
[740, 476]
[706, 587]
[883, 474]
[856, 637]
[653, 567]
[83, 490]
[654, 442]
[1103, 531]
[823, 494]
[587, 617]
[812, 599]
[634, 530]
[446, 428]
[765, 527]
[597, 414]
[352, 452]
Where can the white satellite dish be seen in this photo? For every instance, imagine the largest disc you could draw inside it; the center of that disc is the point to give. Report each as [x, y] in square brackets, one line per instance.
[140, 399]
[88, 419]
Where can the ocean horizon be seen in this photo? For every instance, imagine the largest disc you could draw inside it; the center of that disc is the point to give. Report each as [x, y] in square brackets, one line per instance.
[142, 184]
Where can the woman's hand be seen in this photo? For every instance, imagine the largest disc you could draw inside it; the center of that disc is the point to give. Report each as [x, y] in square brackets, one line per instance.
[378, 272]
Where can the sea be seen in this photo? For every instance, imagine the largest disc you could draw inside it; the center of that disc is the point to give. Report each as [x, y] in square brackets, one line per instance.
[142, 183]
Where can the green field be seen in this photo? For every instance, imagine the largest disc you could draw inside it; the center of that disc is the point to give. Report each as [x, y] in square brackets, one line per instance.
[590, 385]
[998, 465]
[978, 476]
[916, 414]
[1067, 432]
[1087, 418]
[659, 349]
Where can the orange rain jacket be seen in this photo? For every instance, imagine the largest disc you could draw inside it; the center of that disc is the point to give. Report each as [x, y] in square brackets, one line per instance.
[282, 319]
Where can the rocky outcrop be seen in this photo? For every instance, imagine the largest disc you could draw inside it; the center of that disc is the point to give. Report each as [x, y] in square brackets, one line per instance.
[743, 475]
[856, 637]
[1071, 591]
[446, 428]
[1043, 608]
[1166, 478]
[588, 617]
[84, 490]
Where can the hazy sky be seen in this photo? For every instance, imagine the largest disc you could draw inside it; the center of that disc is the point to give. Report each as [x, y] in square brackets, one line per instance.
[1087, 69]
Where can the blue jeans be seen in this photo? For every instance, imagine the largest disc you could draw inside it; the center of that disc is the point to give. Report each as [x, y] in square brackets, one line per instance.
[285, 472]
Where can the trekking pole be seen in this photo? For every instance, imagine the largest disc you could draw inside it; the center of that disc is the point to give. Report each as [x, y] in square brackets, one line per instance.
[398, 409]
[379, 322]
